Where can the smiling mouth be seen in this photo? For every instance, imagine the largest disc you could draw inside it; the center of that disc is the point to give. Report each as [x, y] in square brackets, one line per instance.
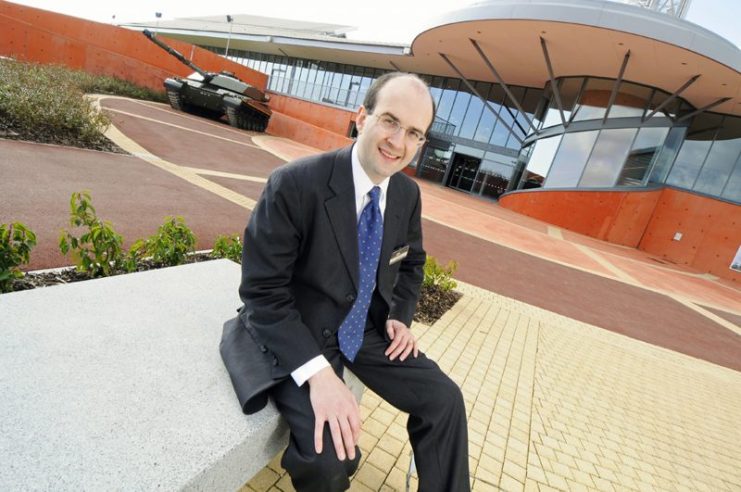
[388, 155]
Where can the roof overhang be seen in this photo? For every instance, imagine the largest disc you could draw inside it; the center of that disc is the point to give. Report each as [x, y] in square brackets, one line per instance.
[584, 37]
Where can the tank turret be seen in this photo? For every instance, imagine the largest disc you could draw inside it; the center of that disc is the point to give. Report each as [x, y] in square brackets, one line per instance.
[214, 95]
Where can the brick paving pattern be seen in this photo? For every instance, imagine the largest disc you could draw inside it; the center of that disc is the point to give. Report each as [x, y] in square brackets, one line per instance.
[557, 404]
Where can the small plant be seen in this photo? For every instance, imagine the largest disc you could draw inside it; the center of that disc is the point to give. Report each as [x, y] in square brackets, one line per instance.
[229, 247]
[16, 242]
[98, 250]
[438, 276]
[171, 244]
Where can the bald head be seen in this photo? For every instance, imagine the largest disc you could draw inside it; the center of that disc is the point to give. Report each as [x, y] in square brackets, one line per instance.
[371, 97]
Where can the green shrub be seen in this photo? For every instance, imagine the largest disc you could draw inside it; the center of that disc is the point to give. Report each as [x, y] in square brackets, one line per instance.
[229, 247]
[16, 242]
[98, 250]
[438, 276]
[45, 103]
[171, 244]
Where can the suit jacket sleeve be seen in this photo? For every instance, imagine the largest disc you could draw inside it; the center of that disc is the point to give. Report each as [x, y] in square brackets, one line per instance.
[411, 270]
[272, 242]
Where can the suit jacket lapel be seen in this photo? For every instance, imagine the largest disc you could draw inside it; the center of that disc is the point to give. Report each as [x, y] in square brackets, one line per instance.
[341, 211]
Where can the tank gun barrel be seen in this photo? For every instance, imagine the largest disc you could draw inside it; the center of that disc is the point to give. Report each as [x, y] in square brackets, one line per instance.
[176, 54]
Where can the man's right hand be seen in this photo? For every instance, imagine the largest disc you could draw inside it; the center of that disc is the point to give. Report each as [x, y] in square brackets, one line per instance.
[334, 404]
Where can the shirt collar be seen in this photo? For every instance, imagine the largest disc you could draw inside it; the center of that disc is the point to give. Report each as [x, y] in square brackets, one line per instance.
[362, 182]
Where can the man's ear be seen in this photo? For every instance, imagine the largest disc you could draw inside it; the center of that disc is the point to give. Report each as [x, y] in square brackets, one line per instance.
[361, 118]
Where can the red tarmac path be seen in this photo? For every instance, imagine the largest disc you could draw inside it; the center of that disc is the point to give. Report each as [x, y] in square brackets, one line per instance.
[616, 288]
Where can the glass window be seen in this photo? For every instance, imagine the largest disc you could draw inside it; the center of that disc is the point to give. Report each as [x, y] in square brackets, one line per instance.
[488, 119]
[732, 190]
[447, 98]
[630, 101]
[493, 178]
[459, 109]
[694, 150]
[434, 162]
[569, 162]
[593, 100]
[643, 154]
[607, 158]
[721, 159]
[667, 154]
[475, 107]
[501, 131]
[540, 161]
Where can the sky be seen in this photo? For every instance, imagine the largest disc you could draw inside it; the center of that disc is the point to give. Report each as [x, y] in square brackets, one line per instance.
[376, 20]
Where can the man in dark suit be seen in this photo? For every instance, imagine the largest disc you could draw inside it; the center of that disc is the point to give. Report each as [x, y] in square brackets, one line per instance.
[332, 266]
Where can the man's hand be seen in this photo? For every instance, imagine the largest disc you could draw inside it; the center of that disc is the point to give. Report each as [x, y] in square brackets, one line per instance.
[334, 404]
[402, 341]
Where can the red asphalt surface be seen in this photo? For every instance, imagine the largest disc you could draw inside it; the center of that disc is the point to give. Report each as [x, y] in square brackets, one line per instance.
[36, 182]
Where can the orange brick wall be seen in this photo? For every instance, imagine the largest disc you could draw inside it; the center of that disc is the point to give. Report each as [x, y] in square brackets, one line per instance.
[41, 36]
[711, 232]
[312, 124]
[646, 220]
[329, 118]
[616, 216]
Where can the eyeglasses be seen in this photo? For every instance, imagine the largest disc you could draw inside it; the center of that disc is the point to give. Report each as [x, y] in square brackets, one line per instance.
[392, 127]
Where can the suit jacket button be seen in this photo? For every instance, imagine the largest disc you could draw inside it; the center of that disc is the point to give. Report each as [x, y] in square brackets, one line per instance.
[326, 333]
[275, 361]
[263, 349]
[350, 298]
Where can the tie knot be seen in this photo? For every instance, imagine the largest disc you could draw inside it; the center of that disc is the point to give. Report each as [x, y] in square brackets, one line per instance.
[375, 193]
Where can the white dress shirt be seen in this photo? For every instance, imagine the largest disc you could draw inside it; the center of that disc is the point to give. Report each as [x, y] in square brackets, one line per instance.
[363, 185]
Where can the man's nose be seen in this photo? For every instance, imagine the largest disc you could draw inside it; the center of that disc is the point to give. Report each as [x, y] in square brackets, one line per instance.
[397, 139]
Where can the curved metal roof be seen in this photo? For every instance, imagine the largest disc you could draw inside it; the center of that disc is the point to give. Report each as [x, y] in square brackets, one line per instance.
[583, 37]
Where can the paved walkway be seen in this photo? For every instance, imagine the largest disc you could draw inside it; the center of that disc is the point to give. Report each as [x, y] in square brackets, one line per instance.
[558, 395]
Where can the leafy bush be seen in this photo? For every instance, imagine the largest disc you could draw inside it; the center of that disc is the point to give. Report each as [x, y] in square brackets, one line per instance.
[229, 247]
[45, 103]
[171, 244]
[98, 250]
[438, 276]
[16, 242]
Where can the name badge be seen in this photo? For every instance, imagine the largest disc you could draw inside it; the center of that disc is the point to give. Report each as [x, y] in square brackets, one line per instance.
[399, 254]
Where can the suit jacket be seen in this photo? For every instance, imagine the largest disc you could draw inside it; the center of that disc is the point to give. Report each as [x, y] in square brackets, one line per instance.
[300, 269]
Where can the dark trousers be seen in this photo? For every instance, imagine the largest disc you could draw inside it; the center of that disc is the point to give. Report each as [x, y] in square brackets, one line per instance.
[436, 425]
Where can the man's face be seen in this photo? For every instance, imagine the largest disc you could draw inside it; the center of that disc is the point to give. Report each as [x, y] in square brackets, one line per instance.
[381, 151]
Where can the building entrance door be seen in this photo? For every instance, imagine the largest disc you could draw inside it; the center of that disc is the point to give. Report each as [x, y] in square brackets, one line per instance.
[463, 172]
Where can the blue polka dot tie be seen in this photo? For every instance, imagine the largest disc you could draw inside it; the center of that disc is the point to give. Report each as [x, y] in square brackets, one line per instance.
[370, 235]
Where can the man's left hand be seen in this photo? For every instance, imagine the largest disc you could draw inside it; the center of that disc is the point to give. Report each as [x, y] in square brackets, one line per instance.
[403, 342]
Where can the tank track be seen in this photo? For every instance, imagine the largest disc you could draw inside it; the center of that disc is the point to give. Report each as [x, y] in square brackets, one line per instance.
[176, 101]
[246, 118]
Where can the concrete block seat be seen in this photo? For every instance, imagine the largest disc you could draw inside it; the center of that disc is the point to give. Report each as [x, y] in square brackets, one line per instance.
[117, 384]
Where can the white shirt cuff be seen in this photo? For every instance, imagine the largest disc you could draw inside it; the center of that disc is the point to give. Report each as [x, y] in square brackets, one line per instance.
[304, 372]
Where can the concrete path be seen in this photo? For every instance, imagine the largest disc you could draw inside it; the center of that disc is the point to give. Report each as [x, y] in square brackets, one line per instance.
[654, 408]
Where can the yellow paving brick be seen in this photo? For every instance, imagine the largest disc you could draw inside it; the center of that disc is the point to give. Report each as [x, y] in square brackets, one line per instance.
[557, 481]
[531, 486]
[576, 486]
[374, 427]
[275, 463]
[511, 484]
[398, 431]
[370, 476]
[383, 415]
[536, 473]
[367, 442]
[602, 484]
[396, 479]
[482, 486]
[264, 479]
[381, 459]
[390, 444]
[515, 471]
[285, 485]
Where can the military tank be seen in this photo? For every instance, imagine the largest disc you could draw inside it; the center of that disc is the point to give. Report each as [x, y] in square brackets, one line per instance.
[214, 95]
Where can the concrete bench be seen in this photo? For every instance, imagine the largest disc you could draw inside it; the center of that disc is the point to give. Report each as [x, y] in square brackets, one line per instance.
[117, 384]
